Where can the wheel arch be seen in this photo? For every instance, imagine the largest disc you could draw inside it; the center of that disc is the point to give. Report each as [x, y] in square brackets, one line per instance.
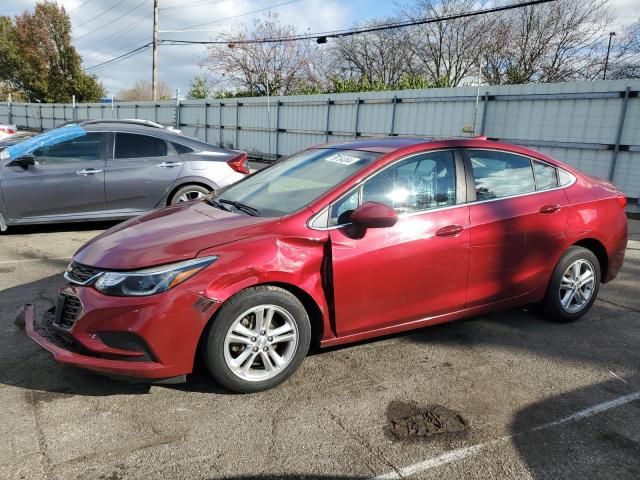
[308, 302]
[184, 182]
[598, 249]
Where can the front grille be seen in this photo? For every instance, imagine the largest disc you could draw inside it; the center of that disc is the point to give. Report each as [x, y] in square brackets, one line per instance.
[68, 310]
[79, 273]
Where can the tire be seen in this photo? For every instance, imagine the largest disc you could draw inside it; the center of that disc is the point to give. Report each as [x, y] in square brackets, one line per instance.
[187, 193]
[236, 347]
[562, 285]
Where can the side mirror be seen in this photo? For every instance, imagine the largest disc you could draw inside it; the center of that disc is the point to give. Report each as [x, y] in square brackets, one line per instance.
[374, 215]
[25, 161]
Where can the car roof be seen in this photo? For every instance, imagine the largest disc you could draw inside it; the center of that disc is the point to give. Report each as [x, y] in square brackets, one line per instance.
[152, 131]
[408, 144]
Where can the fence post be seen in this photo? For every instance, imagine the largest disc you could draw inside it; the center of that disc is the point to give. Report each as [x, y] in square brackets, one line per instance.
[326, 129]
[206, 121]
[485, 104]
[26, 115]
[277, 126]
[355, 126]
[135, 110]
[9, 115]
[220, 124]
[393, 114]
[616, 148]
[155, 112]
[40, 114]
[237, 123]
[178, 106]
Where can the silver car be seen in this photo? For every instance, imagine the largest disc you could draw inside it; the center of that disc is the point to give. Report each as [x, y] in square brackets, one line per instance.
[105, 170]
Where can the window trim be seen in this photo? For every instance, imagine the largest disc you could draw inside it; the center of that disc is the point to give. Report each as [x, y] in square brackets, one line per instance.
[471, 179]
[461, 189]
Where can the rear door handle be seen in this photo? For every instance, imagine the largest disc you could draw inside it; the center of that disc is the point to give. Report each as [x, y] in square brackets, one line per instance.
[168, 164]
[550, 209]
[88, 171]
[450, 231]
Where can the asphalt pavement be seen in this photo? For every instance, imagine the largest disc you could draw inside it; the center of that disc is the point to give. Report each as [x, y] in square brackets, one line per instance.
[508, 395]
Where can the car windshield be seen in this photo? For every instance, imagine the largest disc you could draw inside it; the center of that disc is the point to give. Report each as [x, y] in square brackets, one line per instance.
[46, 139]
[297, 181]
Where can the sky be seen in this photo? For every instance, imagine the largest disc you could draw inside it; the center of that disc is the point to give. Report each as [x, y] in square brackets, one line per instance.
[104, 29]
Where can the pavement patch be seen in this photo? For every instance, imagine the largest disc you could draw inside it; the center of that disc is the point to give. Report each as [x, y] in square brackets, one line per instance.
[429, 421]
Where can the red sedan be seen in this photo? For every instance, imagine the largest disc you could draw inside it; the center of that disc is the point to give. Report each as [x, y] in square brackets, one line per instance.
[335, 244]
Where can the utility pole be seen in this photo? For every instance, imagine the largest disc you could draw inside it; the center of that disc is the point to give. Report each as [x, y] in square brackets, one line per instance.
[606, 60]
[154, 71]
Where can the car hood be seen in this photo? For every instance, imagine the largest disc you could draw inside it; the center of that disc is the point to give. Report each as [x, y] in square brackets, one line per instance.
[168, 235]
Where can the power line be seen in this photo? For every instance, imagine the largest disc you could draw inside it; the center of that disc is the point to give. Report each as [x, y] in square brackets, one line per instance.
[79, 6]
[193, 4]
[112, 21]
[357, 31]
[100, 14]
[190, 28]
[117, 33]
[333, 34]
[120, 57]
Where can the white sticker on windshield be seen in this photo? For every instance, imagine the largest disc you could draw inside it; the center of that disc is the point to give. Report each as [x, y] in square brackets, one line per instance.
[342, 159]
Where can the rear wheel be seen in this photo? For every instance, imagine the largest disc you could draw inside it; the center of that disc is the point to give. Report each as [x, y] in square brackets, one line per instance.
[574, 285]
[188, 193]
[257, 340]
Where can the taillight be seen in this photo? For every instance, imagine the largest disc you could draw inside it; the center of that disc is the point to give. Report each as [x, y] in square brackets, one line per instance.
[7, 130]
[239, 163]
[622, 200]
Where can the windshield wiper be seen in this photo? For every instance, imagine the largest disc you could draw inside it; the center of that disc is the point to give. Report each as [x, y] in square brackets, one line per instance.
[215, 203]
[241, 206]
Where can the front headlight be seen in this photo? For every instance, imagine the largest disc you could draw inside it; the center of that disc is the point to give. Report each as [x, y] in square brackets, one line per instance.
[151, 280]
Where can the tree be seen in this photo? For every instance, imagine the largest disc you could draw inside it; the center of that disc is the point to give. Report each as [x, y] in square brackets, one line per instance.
[382, 57]
[199, 88]
[624, 61]
[446, 52]
[10, 61]
[49, 69]
[554, 42]
[263, 68]
[141, 90]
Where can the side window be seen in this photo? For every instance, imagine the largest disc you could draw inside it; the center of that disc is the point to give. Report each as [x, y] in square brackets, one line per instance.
[131, 145]
[79, 149]
[546, 175]
[419, 183]
[501, 174]
[340, 211]
[180, 149]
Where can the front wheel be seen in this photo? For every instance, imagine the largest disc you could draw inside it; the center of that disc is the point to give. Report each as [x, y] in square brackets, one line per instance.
[257, 340]
[574, 285]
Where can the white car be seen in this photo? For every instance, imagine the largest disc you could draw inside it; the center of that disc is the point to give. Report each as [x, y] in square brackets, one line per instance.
[7, 130]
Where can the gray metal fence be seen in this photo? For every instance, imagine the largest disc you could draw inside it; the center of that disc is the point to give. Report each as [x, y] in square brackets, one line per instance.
[594, 126]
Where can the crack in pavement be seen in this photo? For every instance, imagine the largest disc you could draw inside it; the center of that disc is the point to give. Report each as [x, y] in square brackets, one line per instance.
[45, 461]
[362, 442]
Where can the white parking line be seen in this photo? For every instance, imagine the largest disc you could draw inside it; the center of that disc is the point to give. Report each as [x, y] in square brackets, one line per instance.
[460, 453]
[5, 262]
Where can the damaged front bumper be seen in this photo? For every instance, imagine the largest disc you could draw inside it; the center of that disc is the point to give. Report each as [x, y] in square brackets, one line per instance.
[123, 354]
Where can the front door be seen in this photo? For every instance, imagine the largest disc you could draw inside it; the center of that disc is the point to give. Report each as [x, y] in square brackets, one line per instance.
[418, 267]
[142, 170]
[68, 179]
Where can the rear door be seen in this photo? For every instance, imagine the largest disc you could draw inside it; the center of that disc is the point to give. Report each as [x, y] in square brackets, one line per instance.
[67, 179]
[518, 222]
[140, 171]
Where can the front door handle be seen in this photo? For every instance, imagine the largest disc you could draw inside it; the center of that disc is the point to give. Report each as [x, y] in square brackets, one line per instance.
[168, 164]
[88, 171]
[450, 231]
[550, 209]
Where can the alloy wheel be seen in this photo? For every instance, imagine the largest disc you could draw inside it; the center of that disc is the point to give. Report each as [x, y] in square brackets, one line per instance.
[577, 286]
[190, 195]
[261, 342]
